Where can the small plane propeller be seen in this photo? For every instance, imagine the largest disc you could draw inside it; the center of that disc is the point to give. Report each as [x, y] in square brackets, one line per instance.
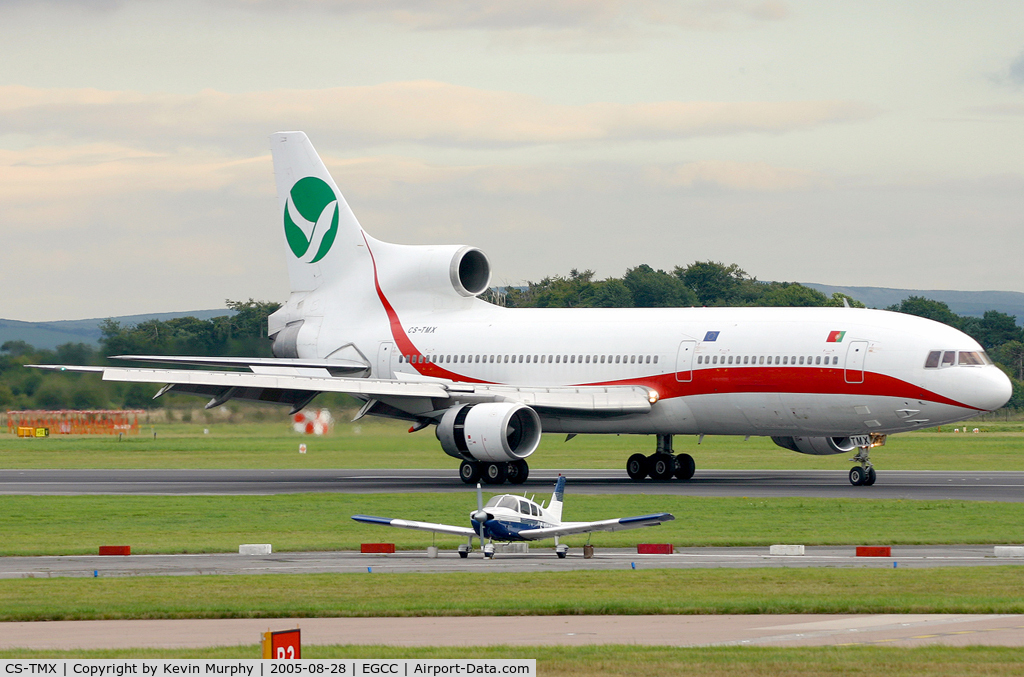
[480, 515]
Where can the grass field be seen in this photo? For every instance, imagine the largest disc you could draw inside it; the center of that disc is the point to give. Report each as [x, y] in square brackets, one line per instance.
[622, 660]
[985, 590]
[386, 444]
[70, 525]
[78, 524]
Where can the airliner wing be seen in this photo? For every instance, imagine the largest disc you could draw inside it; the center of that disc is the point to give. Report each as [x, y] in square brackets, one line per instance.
[296, 382]
[621, 524]
[419, 526]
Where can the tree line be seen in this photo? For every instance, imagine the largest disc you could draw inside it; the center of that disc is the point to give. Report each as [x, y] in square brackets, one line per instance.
[244, 333]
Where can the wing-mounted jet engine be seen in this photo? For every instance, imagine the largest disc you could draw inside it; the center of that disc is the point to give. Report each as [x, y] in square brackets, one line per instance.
[491, 439]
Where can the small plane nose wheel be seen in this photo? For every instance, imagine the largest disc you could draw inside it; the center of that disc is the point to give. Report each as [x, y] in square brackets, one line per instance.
[863, 475]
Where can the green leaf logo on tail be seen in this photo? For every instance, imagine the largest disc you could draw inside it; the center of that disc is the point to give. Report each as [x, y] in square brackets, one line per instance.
[316, 204]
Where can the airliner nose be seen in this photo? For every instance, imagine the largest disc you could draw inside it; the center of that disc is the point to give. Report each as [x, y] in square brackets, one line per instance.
[994, 390]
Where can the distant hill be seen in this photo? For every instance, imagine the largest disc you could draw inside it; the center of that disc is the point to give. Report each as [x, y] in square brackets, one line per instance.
[52, 334]
[970, 303]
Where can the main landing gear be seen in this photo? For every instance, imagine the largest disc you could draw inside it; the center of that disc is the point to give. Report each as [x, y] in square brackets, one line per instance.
[514, 472]
[663, 464]
[863, 474]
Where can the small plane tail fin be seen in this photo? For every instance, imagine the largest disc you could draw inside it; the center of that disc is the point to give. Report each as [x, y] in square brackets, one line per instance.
[323, 239]
[555, 508]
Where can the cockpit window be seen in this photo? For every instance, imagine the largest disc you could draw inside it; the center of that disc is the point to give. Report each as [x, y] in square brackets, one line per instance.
[509, 502]
[971, 358]
[948, 358]
[524, 507]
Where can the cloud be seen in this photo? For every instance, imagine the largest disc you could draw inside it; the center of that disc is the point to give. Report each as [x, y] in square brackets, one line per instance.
[544, 15]
[1017, 70]
[422, 112]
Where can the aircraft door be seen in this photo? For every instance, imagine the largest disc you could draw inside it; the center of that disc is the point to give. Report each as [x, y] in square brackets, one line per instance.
[384, 356]
[855, 355]
[684, 361]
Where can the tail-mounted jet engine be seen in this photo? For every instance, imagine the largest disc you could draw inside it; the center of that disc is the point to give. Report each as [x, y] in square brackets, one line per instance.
[490, 432]
[816, 446]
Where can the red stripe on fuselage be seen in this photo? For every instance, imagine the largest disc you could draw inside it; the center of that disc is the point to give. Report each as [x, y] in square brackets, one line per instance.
[783, 380]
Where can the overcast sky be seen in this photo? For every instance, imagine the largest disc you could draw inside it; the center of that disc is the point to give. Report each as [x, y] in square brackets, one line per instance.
[856, 143]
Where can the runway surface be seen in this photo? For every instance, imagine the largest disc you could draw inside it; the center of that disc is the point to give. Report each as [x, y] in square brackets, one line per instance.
[784, 630]
[893, 484]
[539, 559]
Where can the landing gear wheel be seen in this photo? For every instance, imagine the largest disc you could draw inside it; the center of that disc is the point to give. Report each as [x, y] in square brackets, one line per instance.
[870, 479]
[662, 466]
[685, 466]
[636, 467]
[494, 473]
[857, 476]
[517, 472]
[463, 554]
[469, 472]
[561, 555]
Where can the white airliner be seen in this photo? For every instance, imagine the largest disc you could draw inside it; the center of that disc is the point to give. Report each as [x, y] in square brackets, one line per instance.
[401, 328]
[517, 518]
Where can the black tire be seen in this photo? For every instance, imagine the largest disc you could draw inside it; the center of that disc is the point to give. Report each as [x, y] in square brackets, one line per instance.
[636, 467]
[870, 479]
[662, 466]
[685, 466]
[469, 472]
[517, 472]
[463, 554]
[857, 476]
[561, 555]
[494, 473]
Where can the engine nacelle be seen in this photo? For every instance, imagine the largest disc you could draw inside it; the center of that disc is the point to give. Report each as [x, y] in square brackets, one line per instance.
[492, 431]
[816, 446]
[469, 271]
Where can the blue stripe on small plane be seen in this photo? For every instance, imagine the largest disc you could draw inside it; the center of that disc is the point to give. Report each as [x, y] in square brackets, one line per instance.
[371, 519]
[645, 518]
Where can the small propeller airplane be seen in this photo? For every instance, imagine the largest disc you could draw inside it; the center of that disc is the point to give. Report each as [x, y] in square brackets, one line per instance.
[516, 518]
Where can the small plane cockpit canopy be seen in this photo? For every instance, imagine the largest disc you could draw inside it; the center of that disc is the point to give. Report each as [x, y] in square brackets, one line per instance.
[506, 501]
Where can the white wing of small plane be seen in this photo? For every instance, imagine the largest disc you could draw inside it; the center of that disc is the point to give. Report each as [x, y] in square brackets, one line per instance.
[621, 524]
[418, 526]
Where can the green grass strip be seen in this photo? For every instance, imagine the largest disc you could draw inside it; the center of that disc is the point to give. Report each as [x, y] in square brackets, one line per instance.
[67, 525]
[644, 661]
[373, 443]
[654, 591]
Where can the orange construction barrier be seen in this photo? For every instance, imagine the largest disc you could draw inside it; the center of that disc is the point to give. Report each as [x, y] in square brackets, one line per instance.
[76, 422]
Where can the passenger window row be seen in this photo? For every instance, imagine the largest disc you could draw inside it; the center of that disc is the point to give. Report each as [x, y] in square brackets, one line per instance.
[740, 360]
[528, 359]
[947, 358]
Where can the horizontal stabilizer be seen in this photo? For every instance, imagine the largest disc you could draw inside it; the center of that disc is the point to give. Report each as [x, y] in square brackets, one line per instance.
[255, 364]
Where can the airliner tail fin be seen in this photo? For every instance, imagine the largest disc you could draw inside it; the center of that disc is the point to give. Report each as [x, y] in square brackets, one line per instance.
[321, 232]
